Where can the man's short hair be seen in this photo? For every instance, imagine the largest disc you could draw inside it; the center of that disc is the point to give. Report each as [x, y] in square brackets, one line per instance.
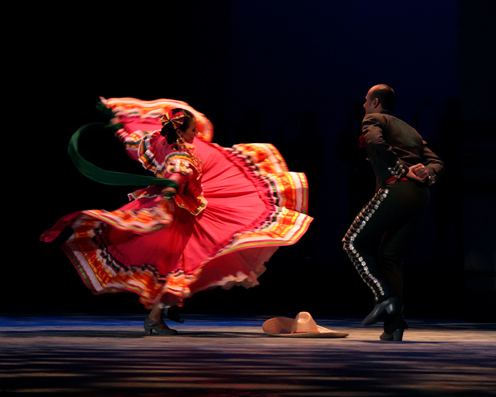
[386, 96]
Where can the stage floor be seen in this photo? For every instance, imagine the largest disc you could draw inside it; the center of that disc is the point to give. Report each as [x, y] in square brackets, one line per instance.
[230, 356]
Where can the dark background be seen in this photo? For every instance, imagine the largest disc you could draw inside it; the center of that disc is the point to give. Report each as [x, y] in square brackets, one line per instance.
[287, 72]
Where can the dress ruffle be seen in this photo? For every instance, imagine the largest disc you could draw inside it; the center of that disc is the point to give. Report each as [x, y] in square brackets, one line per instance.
[138, 114]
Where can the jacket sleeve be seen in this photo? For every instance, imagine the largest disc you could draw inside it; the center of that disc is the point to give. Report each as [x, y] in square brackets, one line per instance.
[377, 147]
[433, 163]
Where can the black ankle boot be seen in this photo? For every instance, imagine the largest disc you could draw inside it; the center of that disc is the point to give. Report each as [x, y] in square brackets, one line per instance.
[394, 325]
[395, 336]
[151, 326]
[390, 306]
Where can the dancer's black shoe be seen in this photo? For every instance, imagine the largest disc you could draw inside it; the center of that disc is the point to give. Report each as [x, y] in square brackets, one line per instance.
[394, 326]
[395, 336]
[151, 326]
[390, 306]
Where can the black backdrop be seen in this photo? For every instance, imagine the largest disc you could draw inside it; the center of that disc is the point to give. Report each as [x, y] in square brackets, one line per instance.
[290, 73]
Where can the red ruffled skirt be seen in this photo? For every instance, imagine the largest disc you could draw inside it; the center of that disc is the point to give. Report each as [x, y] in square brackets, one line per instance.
[254, 206]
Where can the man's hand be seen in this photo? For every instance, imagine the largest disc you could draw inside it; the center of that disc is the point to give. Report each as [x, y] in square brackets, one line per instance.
[418, 172]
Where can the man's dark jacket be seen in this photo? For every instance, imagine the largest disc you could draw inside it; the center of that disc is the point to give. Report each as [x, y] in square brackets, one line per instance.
[393, 146]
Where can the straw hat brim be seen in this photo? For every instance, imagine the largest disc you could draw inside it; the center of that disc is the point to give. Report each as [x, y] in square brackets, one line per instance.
[281, 326]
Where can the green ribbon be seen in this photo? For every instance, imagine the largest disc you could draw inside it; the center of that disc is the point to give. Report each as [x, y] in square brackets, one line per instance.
[106, 177]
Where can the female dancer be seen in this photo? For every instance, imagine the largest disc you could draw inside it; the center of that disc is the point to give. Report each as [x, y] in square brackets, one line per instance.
[223, 214]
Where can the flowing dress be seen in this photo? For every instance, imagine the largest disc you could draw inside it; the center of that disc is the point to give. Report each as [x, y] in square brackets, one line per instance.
[234, 208]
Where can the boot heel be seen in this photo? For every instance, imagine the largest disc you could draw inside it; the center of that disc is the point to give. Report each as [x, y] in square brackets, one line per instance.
[151, 326]
[398, 335]
[395, 336]
[389, 307]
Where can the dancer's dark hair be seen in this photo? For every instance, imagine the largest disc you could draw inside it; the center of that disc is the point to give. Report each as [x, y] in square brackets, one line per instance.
[169, 127]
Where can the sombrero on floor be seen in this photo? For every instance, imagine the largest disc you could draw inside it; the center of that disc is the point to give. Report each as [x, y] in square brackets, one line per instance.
[303, 326]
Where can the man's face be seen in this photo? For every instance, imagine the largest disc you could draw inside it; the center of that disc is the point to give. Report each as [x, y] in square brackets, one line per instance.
[370, 104]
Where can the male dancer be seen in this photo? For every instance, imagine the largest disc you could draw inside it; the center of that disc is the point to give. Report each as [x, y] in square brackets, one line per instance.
[377, 240]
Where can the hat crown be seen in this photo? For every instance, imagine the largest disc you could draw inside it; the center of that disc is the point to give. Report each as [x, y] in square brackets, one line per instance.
[304, 323]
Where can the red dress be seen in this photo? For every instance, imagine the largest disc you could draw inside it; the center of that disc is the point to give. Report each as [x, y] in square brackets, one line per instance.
[234, 208]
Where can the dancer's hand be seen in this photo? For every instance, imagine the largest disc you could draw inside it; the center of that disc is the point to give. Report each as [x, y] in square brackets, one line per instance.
[168, 193]
[418, 172]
